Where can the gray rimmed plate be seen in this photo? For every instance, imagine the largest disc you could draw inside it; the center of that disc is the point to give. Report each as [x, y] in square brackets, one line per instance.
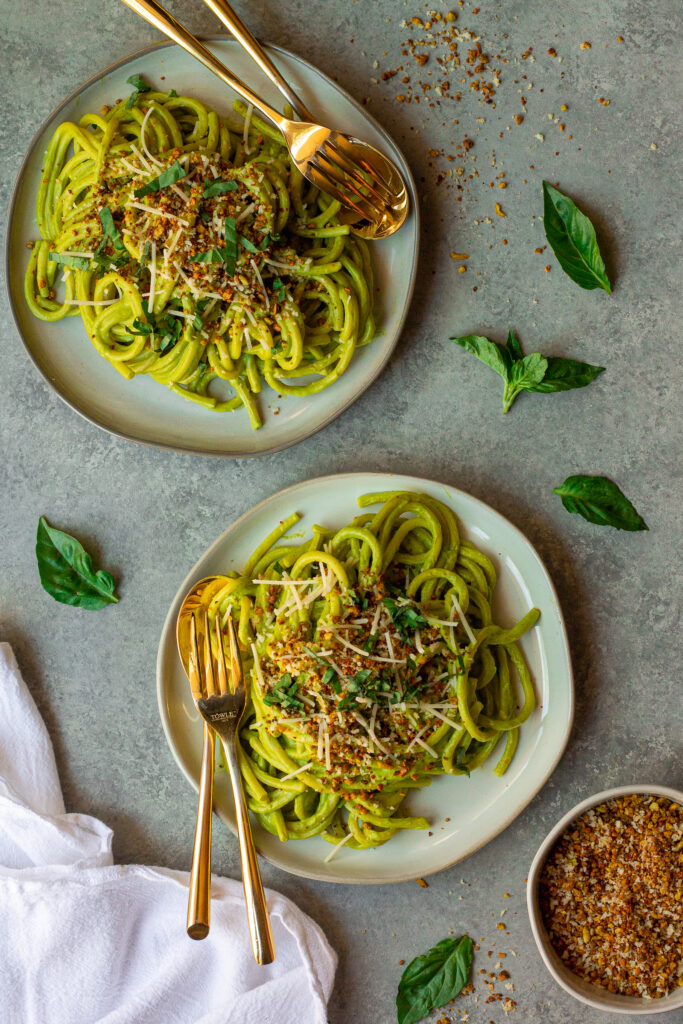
[142, 410]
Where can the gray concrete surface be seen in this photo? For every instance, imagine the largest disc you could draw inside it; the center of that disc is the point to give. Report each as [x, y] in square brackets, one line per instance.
[434, 412]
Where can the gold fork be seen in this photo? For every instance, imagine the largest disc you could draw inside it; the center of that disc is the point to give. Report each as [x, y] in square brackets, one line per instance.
[349, 170]
[221, 706]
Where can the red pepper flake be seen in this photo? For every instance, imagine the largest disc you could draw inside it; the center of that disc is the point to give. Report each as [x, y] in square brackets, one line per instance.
[421, 882]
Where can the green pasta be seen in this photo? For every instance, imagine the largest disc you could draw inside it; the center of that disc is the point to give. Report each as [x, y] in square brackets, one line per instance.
[196, 252]
[373, 665]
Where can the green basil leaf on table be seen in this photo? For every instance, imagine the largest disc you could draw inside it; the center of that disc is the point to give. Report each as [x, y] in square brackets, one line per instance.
[534, 373]
[571, 236]
[600, 501]
[431, 980]
[66, 570]
[565, 374]
[490, 352]
[513, 346]
[524, 374]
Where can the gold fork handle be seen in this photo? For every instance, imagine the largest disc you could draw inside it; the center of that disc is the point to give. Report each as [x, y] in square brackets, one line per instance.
[257, 911]
[156, 15]
[225, 13]
[199, 902]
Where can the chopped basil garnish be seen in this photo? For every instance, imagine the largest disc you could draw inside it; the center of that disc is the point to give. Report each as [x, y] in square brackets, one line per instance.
[406, 618]
[226, 255]
[283, 693]
[168, 177]
[218, 187]
[144, 254]
[140, 85]
[279, 289]
[78, 262]
[247, 244]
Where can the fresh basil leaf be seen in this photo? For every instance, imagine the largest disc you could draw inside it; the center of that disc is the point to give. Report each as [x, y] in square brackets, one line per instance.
[173, 95]
[143, 257]
[279, 289]
[168, 177]
[218, 187]
[490, 352]
[571, 236]
[600, 501]
[210, 256]
[141, 327]
[138, 83]
[330, 678]
[247, 244]
[110, 230]
[525, 373]
[67, 573]
[371, 643]
[565, 374]
[79, 262]
[513, 346]
[431, 980]
[230, 235]
[405, 617]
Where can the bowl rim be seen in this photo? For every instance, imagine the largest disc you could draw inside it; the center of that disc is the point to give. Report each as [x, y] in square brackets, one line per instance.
[603, 1000]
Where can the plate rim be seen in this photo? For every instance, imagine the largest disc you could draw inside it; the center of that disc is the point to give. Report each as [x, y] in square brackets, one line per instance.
[189, 449]
[193, 575]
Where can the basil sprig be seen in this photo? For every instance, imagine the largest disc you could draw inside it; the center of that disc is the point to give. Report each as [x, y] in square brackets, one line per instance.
[431, 980]
[168, 177]
[140, 85]
[542, 374]
[67, 573]
[600, 501]
[571, 236]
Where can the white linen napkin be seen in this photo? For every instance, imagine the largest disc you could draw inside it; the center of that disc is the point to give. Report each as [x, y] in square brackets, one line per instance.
[83, 940]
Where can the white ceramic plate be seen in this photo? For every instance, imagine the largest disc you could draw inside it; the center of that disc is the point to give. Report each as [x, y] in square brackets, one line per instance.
[479, 807]
[142, 410]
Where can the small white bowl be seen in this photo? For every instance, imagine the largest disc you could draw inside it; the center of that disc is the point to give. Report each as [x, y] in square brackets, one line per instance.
[585, 991]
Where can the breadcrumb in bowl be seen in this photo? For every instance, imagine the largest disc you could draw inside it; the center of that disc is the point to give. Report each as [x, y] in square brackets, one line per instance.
[587, 866]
